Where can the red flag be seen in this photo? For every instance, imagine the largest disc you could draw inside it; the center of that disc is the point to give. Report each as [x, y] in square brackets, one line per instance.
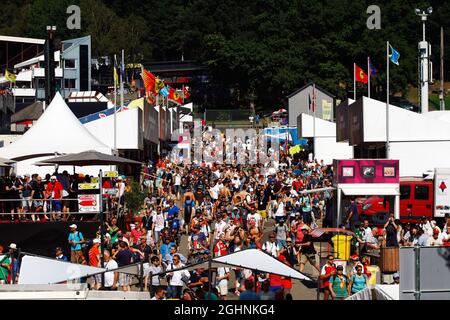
[175, 96]
[186, 93]
[314, 99]
[360, 76]
[149, 85]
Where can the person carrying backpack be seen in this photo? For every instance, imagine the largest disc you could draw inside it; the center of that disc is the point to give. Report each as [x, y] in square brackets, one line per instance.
[77, 243]
[339, 284]
[359, 281]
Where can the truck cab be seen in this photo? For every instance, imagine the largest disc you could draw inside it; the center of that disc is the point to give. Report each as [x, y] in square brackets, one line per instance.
[416, 199]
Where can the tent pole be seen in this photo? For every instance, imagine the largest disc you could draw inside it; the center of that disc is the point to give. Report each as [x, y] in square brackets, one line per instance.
[102, 229]
[256, 281]
[211, 252]
[141, 275]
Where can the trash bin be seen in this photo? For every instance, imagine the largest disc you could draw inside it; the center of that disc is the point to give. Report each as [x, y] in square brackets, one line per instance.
[390, 260]
[375, 277]
[342, 246]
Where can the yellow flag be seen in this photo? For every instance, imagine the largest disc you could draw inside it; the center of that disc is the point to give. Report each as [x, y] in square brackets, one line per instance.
[295, 149]
[10, 76]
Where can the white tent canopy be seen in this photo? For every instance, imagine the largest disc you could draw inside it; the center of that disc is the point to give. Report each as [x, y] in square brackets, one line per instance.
[252, 259]
[39, 270]
[378, 292]
[255, 259]
[57, 131]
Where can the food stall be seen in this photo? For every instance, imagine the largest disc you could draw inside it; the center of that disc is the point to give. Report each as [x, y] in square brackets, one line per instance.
[366, 177]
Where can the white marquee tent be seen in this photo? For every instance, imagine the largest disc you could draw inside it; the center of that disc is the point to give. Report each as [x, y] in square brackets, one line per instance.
[58, 131]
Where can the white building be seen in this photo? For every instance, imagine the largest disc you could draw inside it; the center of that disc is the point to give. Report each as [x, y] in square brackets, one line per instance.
[420, 141]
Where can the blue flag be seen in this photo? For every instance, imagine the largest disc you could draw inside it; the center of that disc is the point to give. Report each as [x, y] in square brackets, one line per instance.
[395, 55]
[164, 92]
[373, 71]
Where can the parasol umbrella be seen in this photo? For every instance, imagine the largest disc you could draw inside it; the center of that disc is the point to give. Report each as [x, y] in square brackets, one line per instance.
[88, 158]
[6, 162]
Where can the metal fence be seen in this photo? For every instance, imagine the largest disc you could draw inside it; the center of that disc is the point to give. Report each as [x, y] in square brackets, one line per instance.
[425, 273]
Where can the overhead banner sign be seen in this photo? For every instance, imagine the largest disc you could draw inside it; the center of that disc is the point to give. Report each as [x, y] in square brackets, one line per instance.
[88, 203]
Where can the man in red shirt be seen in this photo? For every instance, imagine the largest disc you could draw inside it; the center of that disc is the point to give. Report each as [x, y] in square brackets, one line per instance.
[94, 261]
[221, 249]
[286, 282]
[297, 184]
[328, 270]
[54, 192]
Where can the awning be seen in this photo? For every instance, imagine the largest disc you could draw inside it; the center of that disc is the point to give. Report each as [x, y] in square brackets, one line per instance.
[370, 189]
[42, 270]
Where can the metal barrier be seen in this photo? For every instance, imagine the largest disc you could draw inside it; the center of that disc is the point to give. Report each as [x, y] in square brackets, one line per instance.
[47, 204]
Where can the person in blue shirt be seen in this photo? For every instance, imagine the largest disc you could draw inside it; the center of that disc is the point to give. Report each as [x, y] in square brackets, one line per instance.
[173, 211]
[59, 255]
[249, 294]
[76, 240]
[164, 249]
[358, 281]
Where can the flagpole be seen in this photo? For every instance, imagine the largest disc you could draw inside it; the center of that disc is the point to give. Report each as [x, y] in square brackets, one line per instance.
[354, 81]
[115, 104]
[368, 74]
[314, 120]
[121, 79]
[387, 100]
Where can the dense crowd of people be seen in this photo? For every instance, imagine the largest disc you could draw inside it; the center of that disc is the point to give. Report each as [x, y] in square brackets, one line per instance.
[194, 212]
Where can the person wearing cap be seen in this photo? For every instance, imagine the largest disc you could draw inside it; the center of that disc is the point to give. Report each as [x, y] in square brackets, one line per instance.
[94, 261]
[290, 252]
[435, 239]
[54, 192]
[59, 254]
[396, 278]
[308, 252]
[271, 246]
[358, 281]
[76, 240]
[111, 277]
[426, 225]
[282, 231]
[338, 284]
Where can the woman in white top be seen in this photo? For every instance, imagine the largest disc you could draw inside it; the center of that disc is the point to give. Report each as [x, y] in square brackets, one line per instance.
[158, 224]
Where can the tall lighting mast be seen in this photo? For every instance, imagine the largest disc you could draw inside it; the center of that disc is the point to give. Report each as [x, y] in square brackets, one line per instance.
[425, 71]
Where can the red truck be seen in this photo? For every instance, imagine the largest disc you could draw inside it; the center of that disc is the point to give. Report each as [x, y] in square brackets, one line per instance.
[429, 197]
